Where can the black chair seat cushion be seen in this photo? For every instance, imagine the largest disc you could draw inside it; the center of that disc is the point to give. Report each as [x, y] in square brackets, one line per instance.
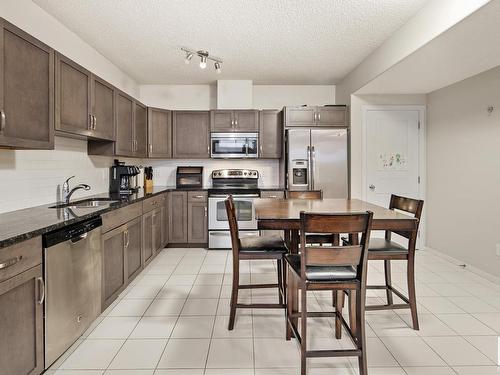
[383, 245]
[323, 273]
[272, 243]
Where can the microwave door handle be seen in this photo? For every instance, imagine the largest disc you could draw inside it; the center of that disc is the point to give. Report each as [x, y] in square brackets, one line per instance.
[246, 147]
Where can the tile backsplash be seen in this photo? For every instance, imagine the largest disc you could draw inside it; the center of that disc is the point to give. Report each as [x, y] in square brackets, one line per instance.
[34, 177]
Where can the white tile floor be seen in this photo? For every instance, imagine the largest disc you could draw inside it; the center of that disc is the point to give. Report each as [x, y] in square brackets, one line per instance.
[173, 319]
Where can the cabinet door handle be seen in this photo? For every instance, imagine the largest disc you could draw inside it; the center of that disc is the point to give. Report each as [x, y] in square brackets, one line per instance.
[206, 213]
[319, 116]
[95, 122]
[150, 149]
[126, 238]
[10, 262]
[2, 121]
[91, 122]
[41, 286]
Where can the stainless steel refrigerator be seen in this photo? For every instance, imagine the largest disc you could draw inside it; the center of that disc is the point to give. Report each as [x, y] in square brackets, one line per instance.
[317, 159]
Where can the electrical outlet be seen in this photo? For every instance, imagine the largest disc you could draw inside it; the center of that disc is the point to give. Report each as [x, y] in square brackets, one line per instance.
[498, 249]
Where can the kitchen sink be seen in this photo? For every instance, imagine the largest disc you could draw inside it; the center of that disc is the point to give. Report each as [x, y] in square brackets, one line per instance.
[86, 203]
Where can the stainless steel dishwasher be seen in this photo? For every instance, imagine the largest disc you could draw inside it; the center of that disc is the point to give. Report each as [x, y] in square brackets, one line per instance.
[72, 269]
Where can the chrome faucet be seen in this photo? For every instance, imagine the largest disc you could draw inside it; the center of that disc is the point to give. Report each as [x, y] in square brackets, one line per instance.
[67, 193]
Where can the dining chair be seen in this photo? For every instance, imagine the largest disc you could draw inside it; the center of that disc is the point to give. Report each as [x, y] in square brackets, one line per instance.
[254, 248]
[313, 238]
[387, 250]
[333, 268]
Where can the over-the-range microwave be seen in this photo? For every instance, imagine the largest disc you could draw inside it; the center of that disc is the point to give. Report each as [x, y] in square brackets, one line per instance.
[234, 145]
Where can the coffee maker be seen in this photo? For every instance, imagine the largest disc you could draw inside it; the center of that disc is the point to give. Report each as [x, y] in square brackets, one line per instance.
[122, 178]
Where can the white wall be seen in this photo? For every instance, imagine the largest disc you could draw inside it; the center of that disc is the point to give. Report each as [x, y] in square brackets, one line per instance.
[278, 96]
[232, 94]
[185, 97]
[264, 96]
[463, 174]
[30, 178]
[357, 103]
[433, 19]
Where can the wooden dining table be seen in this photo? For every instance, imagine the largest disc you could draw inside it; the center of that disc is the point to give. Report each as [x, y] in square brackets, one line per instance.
[284, 214]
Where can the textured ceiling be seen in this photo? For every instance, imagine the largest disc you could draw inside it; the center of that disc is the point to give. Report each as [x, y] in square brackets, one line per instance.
[268, 41]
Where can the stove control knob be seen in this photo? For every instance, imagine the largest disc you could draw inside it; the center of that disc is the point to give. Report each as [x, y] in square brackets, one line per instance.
[245, 173]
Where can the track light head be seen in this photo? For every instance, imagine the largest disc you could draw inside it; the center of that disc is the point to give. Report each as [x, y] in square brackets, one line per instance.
[188, 58]
[217, 67]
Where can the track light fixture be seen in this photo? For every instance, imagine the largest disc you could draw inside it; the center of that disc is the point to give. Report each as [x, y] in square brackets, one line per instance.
[204, 57]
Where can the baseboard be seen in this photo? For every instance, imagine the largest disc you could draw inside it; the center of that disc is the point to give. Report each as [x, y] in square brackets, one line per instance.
[458, 262]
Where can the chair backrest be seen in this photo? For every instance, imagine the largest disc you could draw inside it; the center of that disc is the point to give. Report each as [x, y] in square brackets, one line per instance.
[348, 255]
[233, 226]
[309, 194]
[408, 205]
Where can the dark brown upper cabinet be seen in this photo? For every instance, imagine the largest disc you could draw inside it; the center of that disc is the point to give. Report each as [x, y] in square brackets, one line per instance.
[125, 142]
[73, 103]
[159, 133]
[26, 90]
[234, 120]
[317, 116]
[190, 134]
[85, 103]
[270, 134]
[103, 109]
[131, 130]
[140, 130]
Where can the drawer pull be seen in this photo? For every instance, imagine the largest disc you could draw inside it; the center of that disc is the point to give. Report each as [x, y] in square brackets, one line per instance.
[10, 262]
[198, 196]
[42, 290]
[273, 196]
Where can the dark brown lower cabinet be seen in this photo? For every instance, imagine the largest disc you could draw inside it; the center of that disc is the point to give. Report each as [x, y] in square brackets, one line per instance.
[134, 247]
[113, 262]
[178, 217]
[151, 239]
[188, 217]
[21, 323]
[197, 222]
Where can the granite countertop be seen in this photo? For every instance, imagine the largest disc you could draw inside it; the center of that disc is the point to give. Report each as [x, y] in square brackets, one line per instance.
[21, 225]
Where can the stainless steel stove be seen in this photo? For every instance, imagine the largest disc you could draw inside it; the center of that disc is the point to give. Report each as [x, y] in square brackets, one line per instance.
[243, 185]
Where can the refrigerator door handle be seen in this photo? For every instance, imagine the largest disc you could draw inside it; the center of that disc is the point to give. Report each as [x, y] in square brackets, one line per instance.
[309, 165]
[313, 166]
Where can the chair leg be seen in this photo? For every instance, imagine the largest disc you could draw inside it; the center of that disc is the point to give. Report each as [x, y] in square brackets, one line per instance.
[339, 304]
[279, 266]
[234, 293]
[283, 285]
[388, 281]
[303, 331]
[412, 295]
[289, 302]
[360, 316]
[352, 311]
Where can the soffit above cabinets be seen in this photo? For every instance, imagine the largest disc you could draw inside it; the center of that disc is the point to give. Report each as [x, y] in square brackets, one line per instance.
[269, 42]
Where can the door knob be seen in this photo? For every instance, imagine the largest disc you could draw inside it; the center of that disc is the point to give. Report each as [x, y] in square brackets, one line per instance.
[372, 187]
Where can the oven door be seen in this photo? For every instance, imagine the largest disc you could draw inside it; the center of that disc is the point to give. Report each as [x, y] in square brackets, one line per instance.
[244, 207]
[234, 145]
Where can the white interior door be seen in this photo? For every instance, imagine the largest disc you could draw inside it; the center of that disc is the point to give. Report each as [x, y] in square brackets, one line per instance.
[392, 155]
